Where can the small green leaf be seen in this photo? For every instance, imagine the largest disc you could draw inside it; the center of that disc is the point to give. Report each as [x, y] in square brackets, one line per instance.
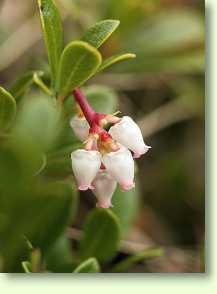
[79, 61]
[41, 214]
[59, 257]
[101, 235]
[22, 84]
[103, 99]
[90, 265]
[53, 33]
[7, 109]
[100, 32]
[114, 59]
[124, 265]
[39, 122]
[26, 267]
[126, 206]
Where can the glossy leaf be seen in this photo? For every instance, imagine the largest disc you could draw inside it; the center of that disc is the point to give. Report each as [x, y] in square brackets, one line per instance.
[7, 109]
[115, 59]
[53, 33]
[79, 61]
[101, 235]
[100, 32]
[90, 265]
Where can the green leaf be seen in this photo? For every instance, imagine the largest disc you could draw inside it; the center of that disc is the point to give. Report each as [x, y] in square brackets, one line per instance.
[41, 214]
[100, 32]
[126, 207]
[38, 122]
[7, 109]
[22, 84]
[114, 59]
[90, 265]
[101, 235]
[53, 33]
[59, 163]
[26, 267]
[102, 98]
[124, 265]
[59, 258]
[79, 61]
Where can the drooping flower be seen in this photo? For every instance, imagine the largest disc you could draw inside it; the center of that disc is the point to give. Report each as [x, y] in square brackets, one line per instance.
[120, 166]
[85, 165]
[106, 158]
[128, 133]
[104, 187]
[80, 127]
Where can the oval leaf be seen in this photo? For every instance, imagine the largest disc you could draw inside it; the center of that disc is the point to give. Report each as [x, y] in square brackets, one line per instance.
[38, 121]
[7, 109]
[114, 59]
[100, 32]
[99, 225]
[59, 258]
[53, 33]
[79, 61]
[91, 265]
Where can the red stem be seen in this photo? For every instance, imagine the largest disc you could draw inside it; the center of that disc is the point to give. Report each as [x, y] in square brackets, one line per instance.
[87, 110]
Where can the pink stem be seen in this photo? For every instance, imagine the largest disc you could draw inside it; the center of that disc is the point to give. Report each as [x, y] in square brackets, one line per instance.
[87, 110]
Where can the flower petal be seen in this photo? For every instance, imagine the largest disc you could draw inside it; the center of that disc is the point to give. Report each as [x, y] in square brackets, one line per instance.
[85, 165]
[104, 187]
[120, 166]
[128, 133]
[80, 127]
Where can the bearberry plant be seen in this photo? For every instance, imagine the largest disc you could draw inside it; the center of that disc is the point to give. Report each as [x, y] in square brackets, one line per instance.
[63, 139]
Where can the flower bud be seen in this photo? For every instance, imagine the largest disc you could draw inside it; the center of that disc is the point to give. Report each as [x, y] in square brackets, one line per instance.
[85, 165]
[104, 187]
[127, 133]
[80, 127]
[120, 166]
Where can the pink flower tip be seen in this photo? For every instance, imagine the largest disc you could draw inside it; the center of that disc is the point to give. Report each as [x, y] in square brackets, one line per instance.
[139, 154]
[85, 187]
[127, 186]
[104, 205]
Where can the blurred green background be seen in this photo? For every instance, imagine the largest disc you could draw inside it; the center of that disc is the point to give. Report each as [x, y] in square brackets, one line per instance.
[162, 89]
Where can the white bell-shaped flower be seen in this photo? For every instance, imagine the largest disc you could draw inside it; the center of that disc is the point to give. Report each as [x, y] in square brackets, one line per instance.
[80, 127]
[128, 133]
[104, 187]
[120, 166]
[85, 165]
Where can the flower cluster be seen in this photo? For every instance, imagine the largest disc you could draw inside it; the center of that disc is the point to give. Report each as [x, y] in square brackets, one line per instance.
[107, 157]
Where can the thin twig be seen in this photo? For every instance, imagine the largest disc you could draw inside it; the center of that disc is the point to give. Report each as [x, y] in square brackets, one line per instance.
[41, 84]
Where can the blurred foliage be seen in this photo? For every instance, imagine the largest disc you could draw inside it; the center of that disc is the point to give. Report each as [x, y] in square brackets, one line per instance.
[38, 199]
